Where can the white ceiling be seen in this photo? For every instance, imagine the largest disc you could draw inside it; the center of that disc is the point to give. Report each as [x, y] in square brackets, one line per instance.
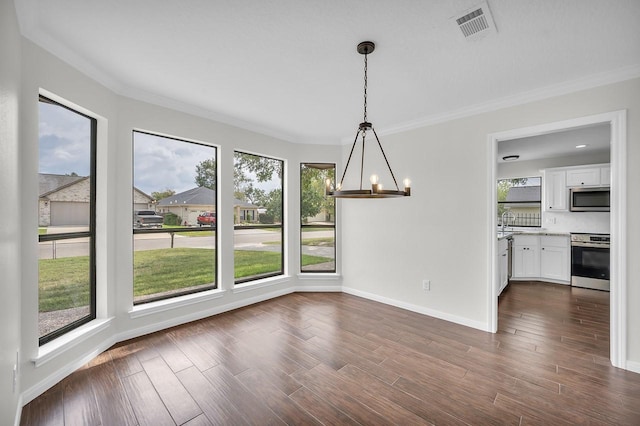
[597, 138]
[289, 68]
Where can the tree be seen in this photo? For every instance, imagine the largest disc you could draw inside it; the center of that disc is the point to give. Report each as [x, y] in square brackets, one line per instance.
[262, 167]
[255, 196]
[206, 173]
[248, 168]
[312, 193]
[273, 203]
[159, 195]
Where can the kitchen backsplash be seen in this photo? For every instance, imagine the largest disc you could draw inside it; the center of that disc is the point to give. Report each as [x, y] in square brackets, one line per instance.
[591, 222]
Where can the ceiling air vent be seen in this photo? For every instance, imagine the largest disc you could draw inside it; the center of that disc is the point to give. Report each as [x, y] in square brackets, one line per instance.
[475, 22]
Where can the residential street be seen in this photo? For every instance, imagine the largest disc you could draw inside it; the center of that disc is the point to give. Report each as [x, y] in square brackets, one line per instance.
[245, 239]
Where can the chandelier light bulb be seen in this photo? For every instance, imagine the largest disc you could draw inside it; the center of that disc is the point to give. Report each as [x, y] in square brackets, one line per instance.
[374, 179]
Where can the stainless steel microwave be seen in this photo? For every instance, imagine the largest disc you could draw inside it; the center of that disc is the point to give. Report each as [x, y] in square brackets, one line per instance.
[590, 199]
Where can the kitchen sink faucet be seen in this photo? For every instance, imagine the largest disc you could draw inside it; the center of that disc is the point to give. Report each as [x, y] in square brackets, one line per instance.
[505, 222]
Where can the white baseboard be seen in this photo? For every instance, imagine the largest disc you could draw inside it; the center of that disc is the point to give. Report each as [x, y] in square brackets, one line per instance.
[43, 385]
[318, 289]
[18, 416]
[479, 325]
[633, 366]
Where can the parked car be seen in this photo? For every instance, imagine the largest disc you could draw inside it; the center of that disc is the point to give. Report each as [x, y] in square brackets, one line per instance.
[147, 219]
[207, 218]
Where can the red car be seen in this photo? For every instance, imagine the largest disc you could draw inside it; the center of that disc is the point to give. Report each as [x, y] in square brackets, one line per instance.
[207, 218]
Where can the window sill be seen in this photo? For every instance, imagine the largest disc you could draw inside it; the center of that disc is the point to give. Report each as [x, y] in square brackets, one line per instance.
[265, 282]
[333, 276]
[56, 347]
[175, 302]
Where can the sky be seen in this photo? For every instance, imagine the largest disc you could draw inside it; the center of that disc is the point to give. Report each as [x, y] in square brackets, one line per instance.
[162, 163]
[64, 141]
[159, 163]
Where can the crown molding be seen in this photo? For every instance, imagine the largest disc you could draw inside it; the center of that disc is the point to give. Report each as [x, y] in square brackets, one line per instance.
[588, 82]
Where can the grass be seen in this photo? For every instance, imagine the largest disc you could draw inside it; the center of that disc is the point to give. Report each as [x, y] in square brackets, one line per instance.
[209, 233]
[324, 242]
[64, 282]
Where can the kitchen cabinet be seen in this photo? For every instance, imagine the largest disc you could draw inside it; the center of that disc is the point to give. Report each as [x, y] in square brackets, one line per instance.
[554, 258]
[557, 181]
[584, 177]
[542, 257]
[555, 191]
[526, 256]
[503, 264]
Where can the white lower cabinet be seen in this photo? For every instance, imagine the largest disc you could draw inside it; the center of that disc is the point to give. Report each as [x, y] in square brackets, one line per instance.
[554, 258]
[526, 256]
[544, 257]
[503, 264]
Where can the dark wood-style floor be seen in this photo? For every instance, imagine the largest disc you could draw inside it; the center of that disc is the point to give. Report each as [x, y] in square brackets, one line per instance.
[325, 358]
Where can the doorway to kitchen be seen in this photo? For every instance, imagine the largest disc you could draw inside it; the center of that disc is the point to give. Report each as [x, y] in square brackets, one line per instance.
[617, 122]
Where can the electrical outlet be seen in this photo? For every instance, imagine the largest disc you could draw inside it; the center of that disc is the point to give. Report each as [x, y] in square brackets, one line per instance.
[426, 285]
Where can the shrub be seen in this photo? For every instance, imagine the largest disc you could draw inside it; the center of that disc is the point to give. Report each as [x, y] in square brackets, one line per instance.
[172, 219]
[265, 218]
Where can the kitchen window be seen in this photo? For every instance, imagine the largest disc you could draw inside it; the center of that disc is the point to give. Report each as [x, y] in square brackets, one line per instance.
[519, 202]
[317, 219]
[174, 211]
[258, 217]
[66, 219]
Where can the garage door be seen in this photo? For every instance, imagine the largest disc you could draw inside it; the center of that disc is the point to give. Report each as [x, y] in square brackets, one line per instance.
[65, 213]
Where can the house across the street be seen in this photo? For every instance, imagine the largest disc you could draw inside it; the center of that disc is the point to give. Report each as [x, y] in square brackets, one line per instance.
[189, 204]
[64, 200]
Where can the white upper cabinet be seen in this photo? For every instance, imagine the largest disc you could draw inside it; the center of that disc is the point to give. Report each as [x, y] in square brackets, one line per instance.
[555, 191]
[583, 177]
[557, 181]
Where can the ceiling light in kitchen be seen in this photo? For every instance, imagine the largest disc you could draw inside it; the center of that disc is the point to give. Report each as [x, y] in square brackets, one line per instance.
[510, 157]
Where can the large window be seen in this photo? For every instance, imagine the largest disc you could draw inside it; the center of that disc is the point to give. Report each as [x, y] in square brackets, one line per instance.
[317, 219]
[174, 217]
[519, 202]
[66, 219]
[258, 217]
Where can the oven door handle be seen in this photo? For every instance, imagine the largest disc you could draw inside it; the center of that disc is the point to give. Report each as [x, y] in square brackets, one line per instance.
[594, 245]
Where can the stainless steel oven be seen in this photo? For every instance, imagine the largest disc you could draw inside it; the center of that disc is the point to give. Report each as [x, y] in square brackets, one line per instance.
[590, 261]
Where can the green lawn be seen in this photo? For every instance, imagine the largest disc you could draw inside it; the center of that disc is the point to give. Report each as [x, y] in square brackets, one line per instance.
[64, 282]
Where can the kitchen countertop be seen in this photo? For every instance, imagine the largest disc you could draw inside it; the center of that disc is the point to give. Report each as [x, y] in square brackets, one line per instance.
[507, 234]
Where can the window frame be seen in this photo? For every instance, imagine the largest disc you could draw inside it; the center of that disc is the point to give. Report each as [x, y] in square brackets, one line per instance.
[91, 233]
[303, 226]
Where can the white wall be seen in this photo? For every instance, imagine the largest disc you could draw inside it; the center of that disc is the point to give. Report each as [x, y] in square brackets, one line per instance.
[440, 233]
[11, 223]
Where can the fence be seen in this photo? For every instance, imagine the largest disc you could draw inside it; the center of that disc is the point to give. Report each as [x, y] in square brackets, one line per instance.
[521, 219]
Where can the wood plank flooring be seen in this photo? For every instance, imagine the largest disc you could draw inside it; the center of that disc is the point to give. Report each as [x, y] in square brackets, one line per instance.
[331, 358]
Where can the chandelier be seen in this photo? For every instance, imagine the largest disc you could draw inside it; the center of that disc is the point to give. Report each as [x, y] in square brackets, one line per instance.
[376, 190]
